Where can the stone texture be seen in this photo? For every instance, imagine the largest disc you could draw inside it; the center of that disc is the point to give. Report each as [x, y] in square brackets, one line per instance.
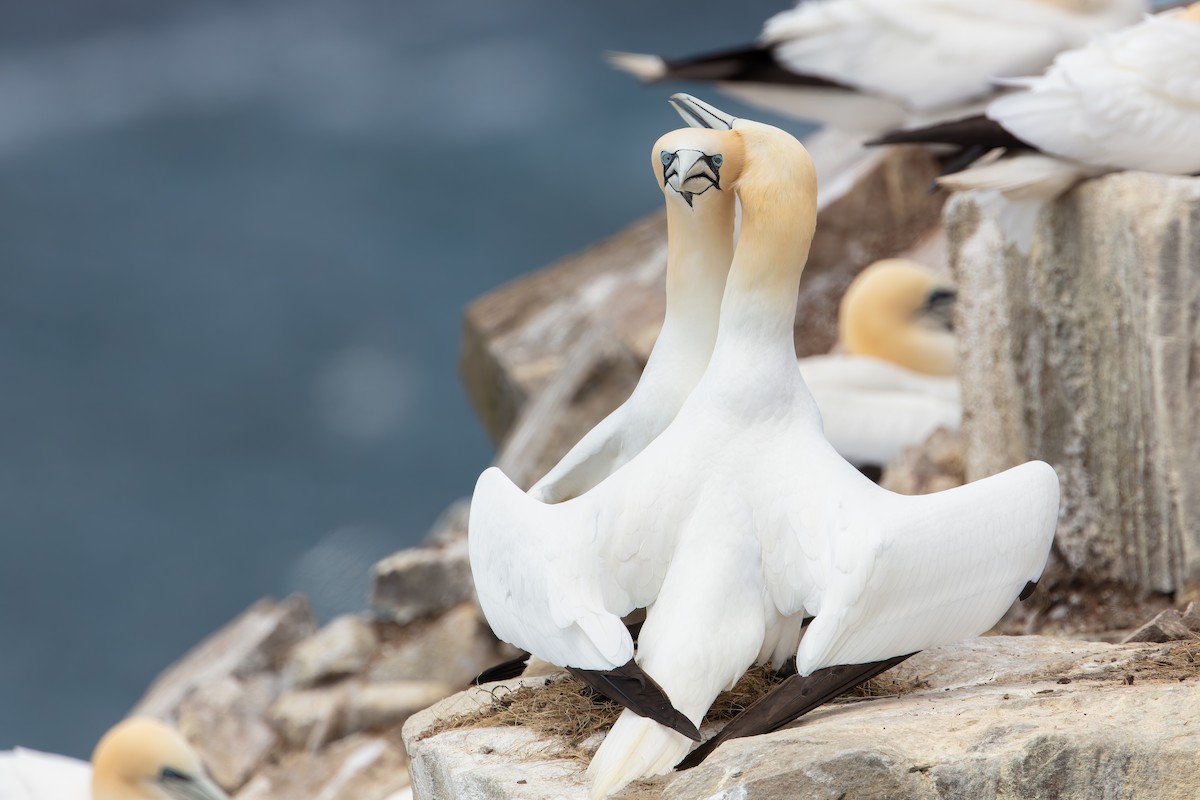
[997, 717]
[1167, 626]
[355, 768]
[258, 640]
[343, 647]
[378, 706]
[427, 580]
[453, 648]
[1086, 354]
[932, 466]
[224, 720]
[308, 719]
[600, 311]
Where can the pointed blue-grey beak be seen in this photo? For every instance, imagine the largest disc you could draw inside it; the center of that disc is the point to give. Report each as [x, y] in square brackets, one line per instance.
[698, 114]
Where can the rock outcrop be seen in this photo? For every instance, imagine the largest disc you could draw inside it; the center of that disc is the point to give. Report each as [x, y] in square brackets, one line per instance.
[1086, 353]
[997, 717]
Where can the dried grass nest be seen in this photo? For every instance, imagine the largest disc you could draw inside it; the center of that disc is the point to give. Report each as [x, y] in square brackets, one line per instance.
[568, 712]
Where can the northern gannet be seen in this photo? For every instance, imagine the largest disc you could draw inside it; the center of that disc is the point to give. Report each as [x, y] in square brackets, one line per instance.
[138, 759]
[871, 65]
[1129, 99]
[896, 381]
[740, 518]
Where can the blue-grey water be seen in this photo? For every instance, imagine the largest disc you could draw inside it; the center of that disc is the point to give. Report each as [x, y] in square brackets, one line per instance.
[235, 242]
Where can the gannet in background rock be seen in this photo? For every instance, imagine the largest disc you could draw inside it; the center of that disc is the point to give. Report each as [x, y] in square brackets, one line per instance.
[740, 516]
[138, 759]
[896, 381]
[1129, 99]
[871, 65]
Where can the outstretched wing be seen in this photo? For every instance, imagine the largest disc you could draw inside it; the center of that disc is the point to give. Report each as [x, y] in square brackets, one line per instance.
[909, 573]
[32, 775]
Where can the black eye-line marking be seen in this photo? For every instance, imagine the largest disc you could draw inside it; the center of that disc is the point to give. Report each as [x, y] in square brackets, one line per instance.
[168, 774]
[670, 163]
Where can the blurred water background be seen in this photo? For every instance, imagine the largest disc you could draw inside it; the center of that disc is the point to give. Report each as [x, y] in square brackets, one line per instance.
[235, 242]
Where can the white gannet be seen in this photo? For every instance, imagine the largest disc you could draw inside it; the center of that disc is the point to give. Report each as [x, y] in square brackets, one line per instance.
[896, 381]
[740, 517]
[138, 759]
[871, 65]
[1129, 99]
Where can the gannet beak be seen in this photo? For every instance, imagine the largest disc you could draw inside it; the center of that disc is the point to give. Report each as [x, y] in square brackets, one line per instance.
[192, 787]
[691, 172]
[698, 114]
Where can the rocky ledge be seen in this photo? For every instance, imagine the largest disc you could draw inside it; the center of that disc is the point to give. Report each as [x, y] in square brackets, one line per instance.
[996, 717]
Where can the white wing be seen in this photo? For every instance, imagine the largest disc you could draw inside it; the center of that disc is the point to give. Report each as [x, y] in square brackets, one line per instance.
[872, 409]
[32, 775]
[1128, 100]
[928, 53]
[593, 458]
[902, 574]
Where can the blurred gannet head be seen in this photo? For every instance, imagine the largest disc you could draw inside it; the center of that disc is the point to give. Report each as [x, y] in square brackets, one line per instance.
[899, 311]
[1191, 13]
[697, 163]
[144, 759]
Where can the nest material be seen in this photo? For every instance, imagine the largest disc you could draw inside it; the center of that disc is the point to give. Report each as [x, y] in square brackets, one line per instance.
[569, 713]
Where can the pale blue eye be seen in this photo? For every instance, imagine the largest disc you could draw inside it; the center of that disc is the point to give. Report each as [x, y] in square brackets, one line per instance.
[666, 157]
[718, 160]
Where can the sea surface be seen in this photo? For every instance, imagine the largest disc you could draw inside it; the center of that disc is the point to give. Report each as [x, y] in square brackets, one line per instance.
[236, 239]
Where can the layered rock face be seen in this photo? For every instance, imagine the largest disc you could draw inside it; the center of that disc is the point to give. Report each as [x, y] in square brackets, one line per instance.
[1085, 352]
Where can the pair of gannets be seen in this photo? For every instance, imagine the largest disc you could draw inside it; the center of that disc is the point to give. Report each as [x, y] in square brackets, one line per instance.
[895, 383]
[138, 759]
[871, 65]
[740, 519]
[1126, 100]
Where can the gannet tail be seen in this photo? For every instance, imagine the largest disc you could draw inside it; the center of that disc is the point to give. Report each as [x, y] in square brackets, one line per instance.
[646, 68]
[1028, 176]
[635, 748]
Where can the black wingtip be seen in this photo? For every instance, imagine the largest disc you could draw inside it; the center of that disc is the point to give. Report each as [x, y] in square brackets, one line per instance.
[630, 686]
[1028, 590]
[504, 671]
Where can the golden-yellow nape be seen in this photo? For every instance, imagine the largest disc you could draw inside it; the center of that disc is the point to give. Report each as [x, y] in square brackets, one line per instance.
[1191, 13]
[144, 759]
[891, 311]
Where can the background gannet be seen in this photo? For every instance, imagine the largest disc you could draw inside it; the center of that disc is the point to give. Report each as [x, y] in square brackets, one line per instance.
[868, 65]
[1129, 99]
[895, 383]
[138, 759]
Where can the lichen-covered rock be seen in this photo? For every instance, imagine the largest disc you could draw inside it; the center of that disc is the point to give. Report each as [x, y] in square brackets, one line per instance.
[343, 647]
[258, 640]
[991, 718]
[426, 580]
[1086, 353]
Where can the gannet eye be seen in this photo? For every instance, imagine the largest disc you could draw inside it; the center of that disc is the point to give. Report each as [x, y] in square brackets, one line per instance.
[717, 160]
[665, 157]
[168, 774]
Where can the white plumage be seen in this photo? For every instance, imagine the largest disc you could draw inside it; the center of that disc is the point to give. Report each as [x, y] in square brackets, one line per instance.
[32, 775]
[740, 517]
[896, 61]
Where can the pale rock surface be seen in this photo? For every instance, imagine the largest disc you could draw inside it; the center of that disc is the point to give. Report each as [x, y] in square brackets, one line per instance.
[355, 768]
[1169, 626]
[427, 580]
[1086, 353]
[225, 721]
[932, 466]
[343, 647]
[308, 719]
[997, 717]
[377, 706]
[258, 640]
[453, 648]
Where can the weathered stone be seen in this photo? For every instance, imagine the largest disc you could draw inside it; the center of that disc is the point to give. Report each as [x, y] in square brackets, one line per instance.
[256, 641]
[932, 466]
[225, 721]
[517, 338]
[309, 719]
[1167, 626]
[1191, 616]
[354, 768]
[451, 525]
[452, 648]
[378, 706]
[422, 581]
[997, 717]
[1086, 354]
[343, 647]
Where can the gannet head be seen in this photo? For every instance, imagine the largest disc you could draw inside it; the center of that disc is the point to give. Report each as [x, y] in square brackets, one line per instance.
[695, 162]
[898, 310]
[1191, 13]
[144, 759]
